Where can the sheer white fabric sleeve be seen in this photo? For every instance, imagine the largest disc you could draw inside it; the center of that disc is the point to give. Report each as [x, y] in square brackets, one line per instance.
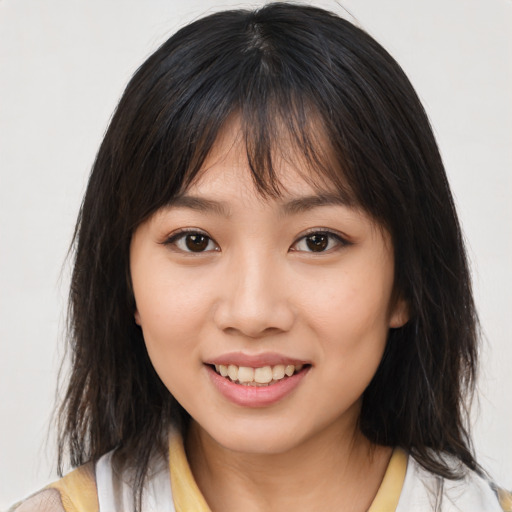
[47, 500]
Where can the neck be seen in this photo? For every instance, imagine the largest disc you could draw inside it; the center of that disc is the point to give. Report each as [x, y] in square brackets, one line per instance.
[311, 476]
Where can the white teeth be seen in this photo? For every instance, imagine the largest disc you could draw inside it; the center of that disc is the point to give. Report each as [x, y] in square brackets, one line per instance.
[246, 374]
[278, 372]
[233, 372]
[263, 375]
[257, 376]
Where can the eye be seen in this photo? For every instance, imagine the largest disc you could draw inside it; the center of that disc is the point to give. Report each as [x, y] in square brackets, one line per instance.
[192, 241]
[318, 241]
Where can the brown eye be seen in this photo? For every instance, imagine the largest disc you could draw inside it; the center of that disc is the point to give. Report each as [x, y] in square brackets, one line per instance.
[317, 242]
[320, 241]
[197, 242]
[192, 242]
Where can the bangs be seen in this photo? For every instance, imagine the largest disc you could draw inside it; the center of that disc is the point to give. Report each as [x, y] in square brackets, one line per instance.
[268, 88]
[271, 138]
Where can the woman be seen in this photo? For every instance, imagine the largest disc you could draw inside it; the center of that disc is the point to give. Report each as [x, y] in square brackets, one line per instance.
[270, 304]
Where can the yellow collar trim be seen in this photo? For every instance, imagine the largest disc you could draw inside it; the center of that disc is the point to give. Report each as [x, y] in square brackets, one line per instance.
[185, 492]
[386, 499]
[78, 490]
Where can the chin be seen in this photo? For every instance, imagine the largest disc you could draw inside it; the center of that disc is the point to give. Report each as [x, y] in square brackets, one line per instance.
[258, 445]
[257, 438]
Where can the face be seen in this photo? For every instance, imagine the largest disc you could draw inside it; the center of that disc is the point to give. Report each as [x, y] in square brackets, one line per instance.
[265, 318]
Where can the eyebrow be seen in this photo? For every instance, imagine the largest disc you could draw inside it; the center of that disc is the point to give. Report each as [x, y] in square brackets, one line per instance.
[200, 204]
[302, 204]
[290, 207]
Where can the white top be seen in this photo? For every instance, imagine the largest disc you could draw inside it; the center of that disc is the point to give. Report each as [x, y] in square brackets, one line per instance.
[424, 491]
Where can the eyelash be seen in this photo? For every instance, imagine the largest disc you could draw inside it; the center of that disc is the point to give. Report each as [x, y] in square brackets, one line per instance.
[181, 235]
[339, 240]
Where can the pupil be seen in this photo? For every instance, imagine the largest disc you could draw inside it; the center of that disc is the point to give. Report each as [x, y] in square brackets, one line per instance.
[196, 243]
[317, 243]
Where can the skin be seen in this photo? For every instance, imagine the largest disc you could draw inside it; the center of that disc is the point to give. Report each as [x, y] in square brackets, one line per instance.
[259, 288]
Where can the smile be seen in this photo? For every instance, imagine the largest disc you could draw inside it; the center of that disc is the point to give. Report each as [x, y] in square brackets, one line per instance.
[261, 376]
[256, 381]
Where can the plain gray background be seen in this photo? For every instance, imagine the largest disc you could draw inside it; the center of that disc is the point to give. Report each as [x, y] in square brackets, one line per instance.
[63, 66]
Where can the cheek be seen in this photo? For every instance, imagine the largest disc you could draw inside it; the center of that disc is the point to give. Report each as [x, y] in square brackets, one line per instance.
[167, 298]
[353, 328]
[172, 312]
[348, 312]
[349, 304]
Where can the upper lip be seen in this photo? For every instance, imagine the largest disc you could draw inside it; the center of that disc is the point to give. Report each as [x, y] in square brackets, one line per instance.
[255, 360]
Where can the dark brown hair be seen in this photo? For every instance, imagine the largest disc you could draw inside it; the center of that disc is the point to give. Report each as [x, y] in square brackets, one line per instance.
[286, 71]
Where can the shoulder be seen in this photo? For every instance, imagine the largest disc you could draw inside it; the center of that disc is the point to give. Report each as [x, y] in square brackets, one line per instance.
[103, 486]
[75, 492]
[423, 490]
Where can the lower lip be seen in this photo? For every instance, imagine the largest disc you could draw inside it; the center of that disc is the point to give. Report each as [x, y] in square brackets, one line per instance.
[256, 396]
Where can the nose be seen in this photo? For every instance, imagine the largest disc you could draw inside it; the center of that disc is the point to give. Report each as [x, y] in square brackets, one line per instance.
[255, 301]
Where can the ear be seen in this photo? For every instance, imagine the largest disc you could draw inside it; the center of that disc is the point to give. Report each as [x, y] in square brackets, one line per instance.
[137, 317]
[400, 314]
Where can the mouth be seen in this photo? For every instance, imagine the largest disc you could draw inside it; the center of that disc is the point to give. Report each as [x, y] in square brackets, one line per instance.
[256, 381]
[263, 376]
